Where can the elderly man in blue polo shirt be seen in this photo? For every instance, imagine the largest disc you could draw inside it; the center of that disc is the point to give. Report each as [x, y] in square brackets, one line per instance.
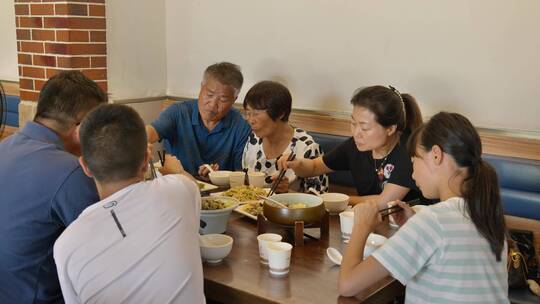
[43, 188]
[207, 130]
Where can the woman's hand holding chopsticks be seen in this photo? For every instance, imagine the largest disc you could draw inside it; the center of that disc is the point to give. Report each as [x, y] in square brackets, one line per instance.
[283, 185]
[366, 216]
[286, 162]
[401, 214]
[281, 175]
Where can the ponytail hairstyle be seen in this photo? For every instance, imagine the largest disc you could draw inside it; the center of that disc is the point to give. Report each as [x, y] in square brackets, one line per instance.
[390, 107]
[456, 136]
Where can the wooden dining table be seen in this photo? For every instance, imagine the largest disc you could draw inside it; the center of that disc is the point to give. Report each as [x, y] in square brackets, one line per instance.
[312, 278]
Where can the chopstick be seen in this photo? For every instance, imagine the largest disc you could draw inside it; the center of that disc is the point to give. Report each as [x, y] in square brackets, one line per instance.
[396, 208]
[280, 176]
[161, 156]
[153, 170]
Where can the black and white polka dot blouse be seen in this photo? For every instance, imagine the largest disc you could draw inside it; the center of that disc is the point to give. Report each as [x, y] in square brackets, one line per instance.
[303, 145]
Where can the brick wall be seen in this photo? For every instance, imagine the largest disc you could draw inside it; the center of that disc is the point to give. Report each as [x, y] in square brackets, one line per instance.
[59, 35]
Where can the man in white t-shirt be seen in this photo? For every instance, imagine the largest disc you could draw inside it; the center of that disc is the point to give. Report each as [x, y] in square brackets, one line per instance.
[139, 243]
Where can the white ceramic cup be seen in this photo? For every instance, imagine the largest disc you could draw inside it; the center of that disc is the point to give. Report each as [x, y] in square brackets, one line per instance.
[346, 220]
[263, 240]
[237, 178]
[279, 258]
[256, 179]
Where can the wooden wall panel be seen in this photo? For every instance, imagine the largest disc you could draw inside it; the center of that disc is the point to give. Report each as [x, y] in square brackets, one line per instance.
[493, 141]
[11, 88]
[7, 132]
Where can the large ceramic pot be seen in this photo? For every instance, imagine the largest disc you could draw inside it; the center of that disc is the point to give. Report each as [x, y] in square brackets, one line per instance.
[286, 216]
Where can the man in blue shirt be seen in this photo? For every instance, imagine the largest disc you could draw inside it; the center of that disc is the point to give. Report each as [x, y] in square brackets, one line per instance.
[207, 130]
[43, 188]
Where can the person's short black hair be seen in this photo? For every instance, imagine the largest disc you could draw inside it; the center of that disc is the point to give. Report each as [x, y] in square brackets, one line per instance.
[67, 97]
[271, 96]
[226, 73]
[114, 144]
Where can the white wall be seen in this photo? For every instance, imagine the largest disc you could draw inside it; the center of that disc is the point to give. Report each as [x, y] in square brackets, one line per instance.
[476, 57]
[8, 42]
[136, 63]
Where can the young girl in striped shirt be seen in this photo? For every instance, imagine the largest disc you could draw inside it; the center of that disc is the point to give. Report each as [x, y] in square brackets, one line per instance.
[453, 251]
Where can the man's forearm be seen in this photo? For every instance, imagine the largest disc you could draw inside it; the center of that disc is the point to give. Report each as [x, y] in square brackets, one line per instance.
[151, 134]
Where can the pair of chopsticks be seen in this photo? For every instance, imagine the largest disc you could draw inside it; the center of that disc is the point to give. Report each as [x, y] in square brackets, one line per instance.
[161, 155]
[280, 176]
[396, 208]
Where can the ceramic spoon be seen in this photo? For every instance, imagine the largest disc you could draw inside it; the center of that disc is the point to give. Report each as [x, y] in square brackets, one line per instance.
[334, 255]
[312, 190]
[281, 205]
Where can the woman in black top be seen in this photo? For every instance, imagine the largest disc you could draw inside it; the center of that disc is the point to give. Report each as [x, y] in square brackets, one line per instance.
[376, 154]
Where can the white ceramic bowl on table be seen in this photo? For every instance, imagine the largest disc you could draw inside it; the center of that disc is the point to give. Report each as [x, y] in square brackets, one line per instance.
[335, 202]
[220, 178]
[215, 247]
[373, 242]
[216, 220]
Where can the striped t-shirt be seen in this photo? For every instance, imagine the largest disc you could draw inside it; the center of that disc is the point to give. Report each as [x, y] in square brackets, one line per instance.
[441, 258]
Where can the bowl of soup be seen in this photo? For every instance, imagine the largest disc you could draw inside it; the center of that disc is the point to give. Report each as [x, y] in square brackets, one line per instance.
[215, 213]
[304, 207]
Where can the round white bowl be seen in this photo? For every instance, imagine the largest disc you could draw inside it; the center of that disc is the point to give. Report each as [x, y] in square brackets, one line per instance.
[215, 247]
[373, 242]
[216, 220]
[335, 202]
[220, 178]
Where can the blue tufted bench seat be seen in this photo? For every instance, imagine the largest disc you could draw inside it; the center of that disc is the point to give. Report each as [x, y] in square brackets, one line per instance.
[520, 185]
[12, 115]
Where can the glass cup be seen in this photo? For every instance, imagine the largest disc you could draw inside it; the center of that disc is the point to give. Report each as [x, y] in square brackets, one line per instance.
[256, 179]
[263, 240]
[279, 258]
[237, 179]
[346, 220]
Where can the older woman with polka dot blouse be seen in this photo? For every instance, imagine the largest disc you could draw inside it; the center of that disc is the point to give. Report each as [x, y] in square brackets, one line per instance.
[267, 106]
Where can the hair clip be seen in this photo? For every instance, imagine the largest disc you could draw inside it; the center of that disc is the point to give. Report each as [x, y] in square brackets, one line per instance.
[396, 91]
